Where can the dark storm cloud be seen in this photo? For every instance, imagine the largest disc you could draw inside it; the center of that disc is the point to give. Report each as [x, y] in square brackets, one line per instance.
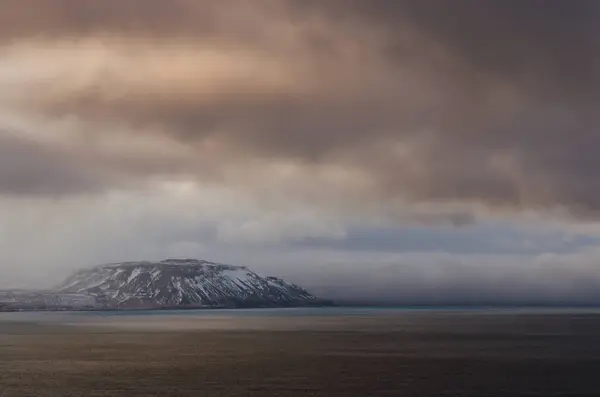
[548, 45]
[489, 102]
[546, 55]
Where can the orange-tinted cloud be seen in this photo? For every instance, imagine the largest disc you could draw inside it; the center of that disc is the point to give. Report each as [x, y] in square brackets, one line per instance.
[490, 103]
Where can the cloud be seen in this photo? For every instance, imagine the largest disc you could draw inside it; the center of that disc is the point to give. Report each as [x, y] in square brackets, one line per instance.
[483, 238]
[296, 136]
[43, 240]
[424, 278]
[40, 169]
[280, 228]
[384, 106]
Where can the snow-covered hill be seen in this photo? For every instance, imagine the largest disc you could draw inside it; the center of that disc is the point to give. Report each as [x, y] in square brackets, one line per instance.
[184, 282]
[44, 300]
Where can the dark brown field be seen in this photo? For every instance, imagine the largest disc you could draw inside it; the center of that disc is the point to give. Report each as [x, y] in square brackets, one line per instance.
[385, 356]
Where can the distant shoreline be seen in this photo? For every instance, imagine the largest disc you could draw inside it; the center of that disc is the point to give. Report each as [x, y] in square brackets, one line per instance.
[161, 308]
[316, 306]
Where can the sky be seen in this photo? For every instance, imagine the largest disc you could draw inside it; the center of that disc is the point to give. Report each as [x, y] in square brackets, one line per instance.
[381, 150]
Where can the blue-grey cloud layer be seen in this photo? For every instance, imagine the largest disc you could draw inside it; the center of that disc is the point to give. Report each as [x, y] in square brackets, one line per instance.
[483, 238]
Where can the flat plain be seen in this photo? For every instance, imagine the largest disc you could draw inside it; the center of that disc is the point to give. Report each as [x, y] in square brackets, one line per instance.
[424, 353]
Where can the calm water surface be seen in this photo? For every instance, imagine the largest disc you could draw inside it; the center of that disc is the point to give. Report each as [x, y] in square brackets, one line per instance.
[302, 352]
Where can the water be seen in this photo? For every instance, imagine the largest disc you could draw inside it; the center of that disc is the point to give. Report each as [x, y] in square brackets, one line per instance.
[299, 352]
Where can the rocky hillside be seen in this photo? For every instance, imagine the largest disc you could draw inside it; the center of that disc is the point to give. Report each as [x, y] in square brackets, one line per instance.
[183, 283]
